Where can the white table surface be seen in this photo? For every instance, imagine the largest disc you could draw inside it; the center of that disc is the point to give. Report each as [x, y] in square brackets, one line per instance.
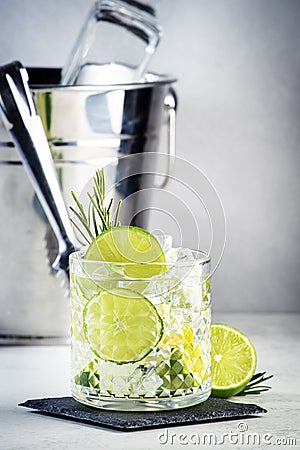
[35, 372]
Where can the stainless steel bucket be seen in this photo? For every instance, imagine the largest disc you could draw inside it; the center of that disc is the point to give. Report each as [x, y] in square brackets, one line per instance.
[87, 127]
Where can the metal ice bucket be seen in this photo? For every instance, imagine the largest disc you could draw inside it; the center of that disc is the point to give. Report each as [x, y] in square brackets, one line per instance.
[87, 127]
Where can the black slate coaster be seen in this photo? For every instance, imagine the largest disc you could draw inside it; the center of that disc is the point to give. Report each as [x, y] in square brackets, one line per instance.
[211, 410]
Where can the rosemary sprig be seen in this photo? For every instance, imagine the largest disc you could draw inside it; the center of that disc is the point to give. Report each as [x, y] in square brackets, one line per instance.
[98, 217]
[255, 386]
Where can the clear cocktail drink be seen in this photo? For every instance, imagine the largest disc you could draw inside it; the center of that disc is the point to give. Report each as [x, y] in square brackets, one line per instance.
[140, 333]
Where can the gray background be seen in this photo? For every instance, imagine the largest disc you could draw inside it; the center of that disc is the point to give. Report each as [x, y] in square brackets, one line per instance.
[238, 65]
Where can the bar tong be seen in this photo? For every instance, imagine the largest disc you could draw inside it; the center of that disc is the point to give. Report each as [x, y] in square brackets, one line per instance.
[20, 118]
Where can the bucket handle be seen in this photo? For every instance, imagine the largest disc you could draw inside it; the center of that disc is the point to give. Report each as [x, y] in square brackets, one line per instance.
[170, 104]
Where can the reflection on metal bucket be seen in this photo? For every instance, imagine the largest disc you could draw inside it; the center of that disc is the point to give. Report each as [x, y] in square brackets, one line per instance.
[87, 127]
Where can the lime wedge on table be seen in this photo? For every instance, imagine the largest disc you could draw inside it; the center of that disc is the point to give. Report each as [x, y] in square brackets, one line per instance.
[233, 360]
[121, 326]
[129, 245]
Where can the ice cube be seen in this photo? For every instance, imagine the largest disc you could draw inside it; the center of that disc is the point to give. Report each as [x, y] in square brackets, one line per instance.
[165, 241]
[191, 292]
[185, 254]
[180, 254]
[182, 260]
[172, 254]
[145, 381]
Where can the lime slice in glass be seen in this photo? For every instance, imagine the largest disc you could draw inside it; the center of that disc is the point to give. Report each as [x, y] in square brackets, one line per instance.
[89, 286]
[121, 326]
[233, 360]
[129, 245]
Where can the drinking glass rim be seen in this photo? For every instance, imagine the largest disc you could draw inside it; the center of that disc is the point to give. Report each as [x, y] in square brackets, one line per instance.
[206, 259]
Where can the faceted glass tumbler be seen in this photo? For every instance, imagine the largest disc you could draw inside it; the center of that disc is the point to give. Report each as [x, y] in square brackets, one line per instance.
[166, 317]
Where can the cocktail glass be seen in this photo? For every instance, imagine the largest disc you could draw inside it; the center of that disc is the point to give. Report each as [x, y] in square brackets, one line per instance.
[141, 342]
